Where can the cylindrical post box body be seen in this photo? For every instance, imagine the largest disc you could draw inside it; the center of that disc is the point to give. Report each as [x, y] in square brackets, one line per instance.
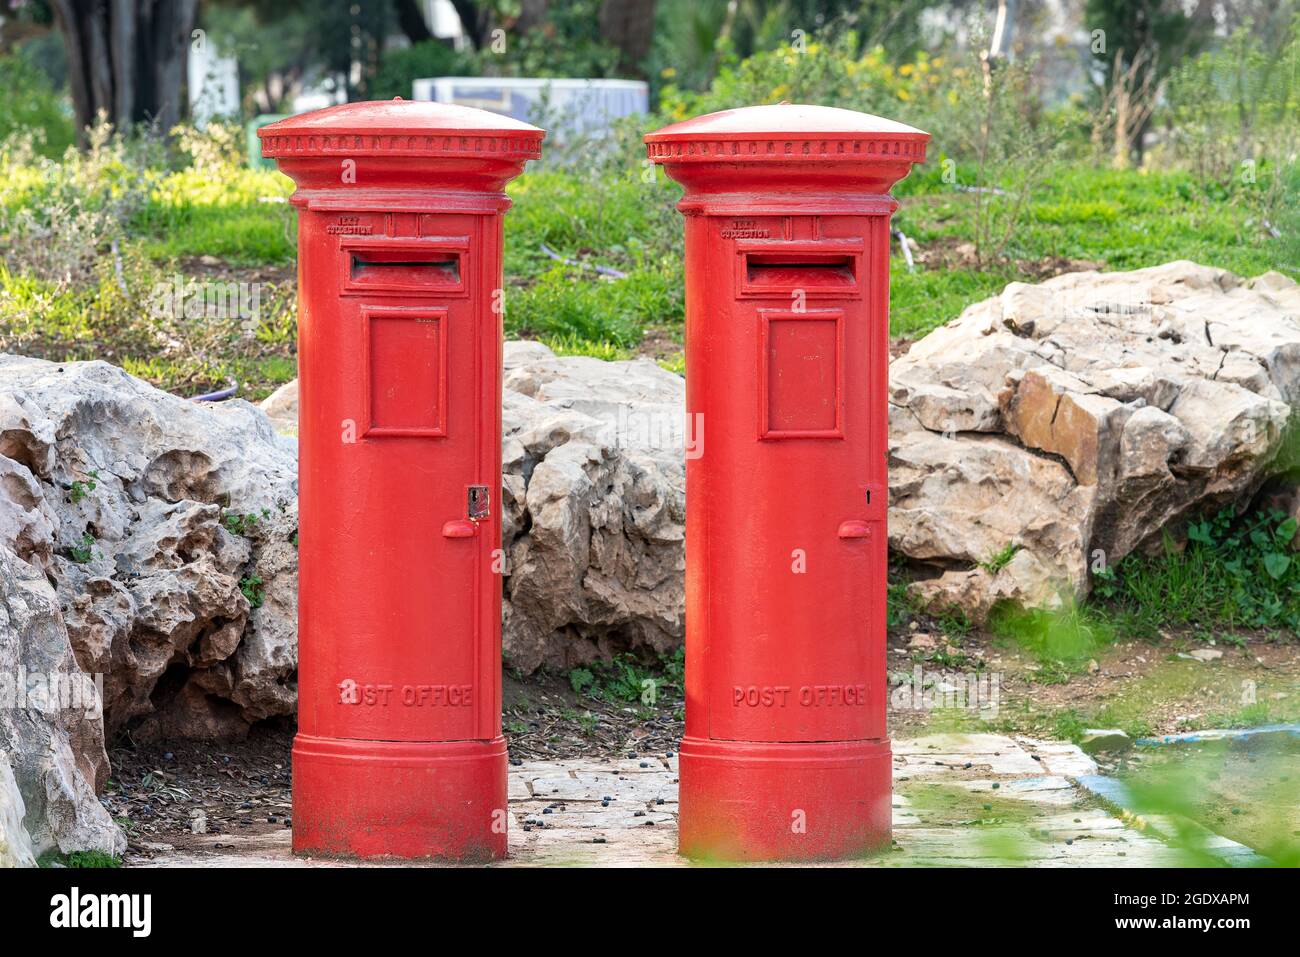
[786, 754]
[399, 749]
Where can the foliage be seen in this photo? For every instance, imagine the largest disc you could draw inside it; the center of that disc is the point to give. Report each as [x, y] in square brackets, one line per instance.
[1063, 638]
[400, 68]
[1127, 26]
[1231, 120]
[627, 678]
[253, 589]
[1000, 559]
[89, 240]
[78, 859]
[32, 105]
[566, 44]
[695, 38]
[1233, 573]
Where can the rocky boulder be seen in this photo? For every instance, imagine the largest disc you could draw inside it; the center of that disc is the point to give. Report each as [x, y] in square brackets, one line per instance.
[1074, 420]
[51, 729]
[167, 530]
[594, 507]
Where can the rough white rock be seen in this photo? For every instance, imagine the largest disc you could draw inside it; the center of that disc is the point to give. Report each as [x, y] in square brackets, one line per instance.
[594, 519]
[1078, 418]
[157, 519]
[51, 725]
[15, 846]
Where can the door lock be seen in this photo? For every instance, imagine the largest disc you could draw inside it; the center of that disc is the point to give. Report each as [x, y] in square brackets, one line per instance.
[478, 504]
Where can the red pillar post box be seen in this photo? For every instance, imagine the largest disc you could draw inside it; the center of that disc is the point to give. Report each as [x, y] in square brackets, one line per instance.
[399, 748]
[787, 210]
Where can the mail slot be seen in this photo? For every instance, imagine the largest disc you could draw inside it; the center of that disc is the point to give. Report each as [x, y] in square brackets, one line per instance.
[399, 748]
[786, 754]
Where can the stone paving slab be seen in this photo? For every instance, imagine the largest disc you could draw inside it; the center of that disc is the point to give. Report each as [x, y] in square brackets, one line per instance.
[959, 800]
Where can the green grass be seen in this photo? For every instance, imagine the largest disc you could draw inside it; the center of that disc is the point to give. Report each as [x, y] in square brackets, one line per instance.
[1120, 219]
[1063, 640]
[627, 678]
[605, 216]
[241, 218]
[78, 859]
[1232, 574]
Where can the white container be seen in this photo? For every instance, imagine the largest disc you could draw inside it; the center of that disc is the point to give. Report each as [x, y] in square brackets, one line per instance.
[568, 109]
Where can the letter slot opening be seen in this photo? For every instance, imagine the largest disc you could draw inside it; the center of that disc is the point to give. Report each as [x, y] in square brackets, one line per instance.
[405, 269]
[801, 270]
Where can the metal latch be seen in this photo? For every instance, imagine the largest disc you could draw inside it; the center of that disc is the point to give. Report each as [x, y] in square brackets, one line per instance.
[479, 504]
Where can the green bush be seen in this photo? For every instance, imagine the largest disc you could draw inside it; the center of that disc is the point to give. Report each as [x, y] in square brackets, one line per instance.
[1231, 574]
[400, 68]
[31, 106]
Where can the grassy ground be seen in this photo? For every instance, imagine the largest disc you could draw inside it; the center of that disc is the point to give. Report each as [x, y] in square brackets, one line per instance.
[221, 224]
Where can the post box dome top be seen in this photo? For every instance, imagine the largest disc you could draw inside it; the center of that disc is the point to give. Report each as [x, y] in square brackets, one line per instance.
[401, 128]
[783, 132]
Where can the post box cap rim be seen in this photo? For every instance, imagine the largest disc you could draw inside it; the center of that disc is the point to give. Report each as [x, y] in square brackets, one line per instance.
[786, 121]
[401, 118]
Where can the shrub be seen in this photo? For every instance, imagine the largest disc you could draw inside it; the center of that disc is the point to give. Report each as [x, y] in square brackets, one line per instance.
[401, 68]
[31, 106]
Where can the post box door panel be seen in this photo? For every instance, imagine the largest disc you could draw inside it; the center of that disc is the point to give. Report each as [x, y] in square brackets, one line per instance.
[797, 608]
[405, 492]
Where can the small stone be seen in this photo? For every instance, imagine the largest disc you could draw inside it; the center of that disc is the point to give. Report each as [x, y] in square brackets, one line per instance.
[1105, 741]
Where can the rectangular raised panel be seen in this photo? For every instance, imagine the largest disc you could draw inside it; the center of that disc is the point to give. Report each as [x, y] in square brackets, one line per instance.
[406, 369]
[802, 378]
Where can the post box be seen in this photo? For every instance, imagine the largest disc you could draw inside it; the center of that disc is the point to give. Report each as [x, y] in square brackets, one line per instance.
[786, 755]
[399, 748]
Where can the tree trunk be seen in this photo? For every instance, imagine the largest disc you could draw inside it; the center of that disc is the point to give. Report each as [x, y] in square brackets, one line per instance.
[411, 19]
[127, 59]
[474, 20]
[628, 25]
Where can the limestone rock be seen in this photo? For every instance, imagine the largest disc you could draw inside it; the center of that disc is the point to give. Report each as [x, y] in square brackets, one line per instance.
[15, 845]
[51, 726]
[1080, 417]
[281, 407]
[162, 522]
[594, 521]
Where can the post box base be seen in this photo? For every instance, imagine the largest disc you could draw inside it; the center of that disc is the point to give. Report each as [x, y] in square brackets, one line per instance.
[779, 801]
[444, 800]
